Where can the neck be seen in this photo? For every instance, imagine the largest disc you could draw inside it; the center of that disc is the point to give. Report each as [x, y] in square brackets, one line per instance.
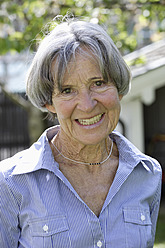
[88, 154]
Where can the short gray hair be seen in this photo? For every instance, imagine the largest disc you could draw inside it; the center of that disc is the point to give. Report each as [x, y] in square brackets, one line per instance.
[61, 45]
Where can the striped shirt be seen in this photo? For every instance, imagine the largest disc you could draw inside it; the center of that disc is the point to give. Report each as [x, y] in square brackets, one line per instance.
[39, 208]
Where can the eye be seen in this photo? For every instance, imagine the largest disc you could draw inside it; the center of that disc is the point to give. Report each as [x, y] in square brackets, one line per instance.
[99, 83]
[66, 91]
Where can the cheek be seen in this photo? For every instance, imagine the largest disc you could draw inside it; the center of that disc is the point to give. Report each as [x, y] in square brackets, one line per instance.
[111, 102]
[113, 107]
[64, 110]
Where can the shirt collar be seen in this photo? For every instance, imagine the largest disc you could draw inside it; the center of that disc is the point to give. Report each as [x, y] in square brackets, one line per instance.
[39, 155]
[131, 155]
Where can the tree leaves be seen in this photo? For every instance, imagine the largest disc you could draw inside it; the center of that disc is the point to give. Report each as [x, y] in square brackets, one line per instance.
[131, 24]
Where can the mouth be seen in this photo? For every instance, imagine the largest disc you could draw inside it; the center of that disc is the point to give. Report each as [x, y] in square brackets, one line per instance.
[90, 121]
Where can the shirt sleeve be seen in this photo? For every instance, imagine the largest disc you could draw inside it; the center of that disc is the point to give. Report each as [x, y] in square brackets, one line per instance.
[155, 208]
[9, 209]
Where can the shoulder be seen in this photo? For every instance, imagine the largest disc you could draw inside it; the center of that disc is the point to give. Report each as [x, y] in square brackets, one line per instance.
[143, 171]
[38, 156]
[24, 161]
[8, 165]
[133, 156]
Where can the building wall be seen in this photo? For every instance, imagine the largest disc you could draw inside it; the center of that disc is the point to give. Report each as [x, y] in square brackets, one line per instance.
[154, 127]
[143, 91]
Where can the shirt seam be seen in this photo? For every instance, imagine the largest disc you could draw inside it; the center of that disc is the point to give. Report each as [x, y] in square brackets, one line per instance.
[156, 196]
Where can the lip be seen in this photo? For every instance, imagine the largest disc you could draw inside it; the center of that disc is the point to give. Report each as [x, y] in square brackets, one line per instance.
[91, 125]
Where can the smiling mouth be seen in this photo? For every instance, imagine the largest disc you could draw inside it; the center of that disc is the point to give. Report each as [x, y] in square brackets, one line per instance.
[91, 121]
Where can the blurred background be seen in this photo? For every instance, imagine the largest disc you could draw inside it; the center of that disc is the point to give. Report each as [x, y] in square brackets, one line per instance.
[137, 28]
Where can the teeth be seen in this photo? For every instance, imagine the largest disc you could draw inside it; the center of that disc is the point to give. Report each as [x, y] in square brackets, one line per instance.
[91, 120]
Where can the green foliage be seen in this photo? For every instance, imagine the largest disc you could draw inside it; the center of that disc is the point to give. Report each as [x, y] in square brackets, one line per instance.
[131, 24]
[138, 62]
[160, 231]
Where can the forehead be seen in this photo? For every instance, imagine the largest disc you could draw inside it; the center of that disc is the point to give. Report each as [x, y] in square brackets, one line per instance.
[83, 66]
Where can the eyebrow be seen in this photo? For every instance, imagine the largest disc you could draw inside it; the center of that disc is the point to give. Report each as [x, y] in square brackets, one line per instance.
[89, 80]
[93, 78]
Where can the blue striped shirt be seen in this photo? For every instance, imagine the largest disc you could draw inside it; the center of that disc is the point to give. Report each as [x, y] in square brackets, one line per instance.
[39, 208]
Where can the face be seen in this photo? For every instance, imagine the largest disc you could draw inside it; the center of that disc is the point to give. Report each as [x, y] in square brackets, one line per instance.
[87, 108]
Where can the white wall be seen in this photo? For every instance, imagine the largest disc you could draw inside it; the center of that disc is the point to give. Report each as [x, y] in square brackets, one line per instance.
[143, 91]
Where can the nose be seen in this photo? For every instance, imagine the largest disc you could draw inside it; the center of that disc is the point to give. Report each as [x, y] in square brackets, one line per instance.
[86, 101]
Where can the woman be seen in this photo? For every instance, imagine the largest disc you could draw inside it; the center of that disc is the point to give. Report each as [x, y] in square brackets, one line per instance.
[82, 184]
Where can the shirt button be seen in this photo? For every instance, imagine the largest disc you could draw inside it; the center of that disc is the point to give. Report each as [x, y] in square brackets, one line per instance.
[99, 243]
[47, 177]
[45, 228]
[143, 217]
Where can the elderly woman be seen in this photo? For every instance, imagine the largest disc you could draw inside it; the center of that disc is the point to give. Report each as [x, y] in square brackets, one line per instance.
[82, 184]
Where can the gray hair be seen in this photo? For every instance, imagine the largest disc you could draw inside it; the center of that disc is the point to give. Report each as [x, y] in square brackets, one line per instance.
[61, 45]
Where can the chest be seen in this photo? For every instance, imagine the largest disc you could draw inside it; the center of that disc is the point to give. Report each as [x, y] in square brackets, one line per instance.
[91, 187]
[93, 195]
[49, 225]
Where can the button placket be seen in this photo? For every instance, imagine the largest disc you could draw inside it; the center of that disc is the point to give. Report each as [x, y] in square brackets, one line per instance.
[95, 225]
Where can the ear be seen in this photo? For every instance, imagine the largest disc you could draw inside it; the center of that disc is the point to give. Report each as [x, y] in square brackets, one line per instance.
[50, 108]
[120, 97]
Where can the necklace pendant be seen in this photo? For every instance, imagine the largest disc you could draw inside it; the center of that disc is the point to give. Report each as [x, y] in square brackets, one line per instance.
[94, 163]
